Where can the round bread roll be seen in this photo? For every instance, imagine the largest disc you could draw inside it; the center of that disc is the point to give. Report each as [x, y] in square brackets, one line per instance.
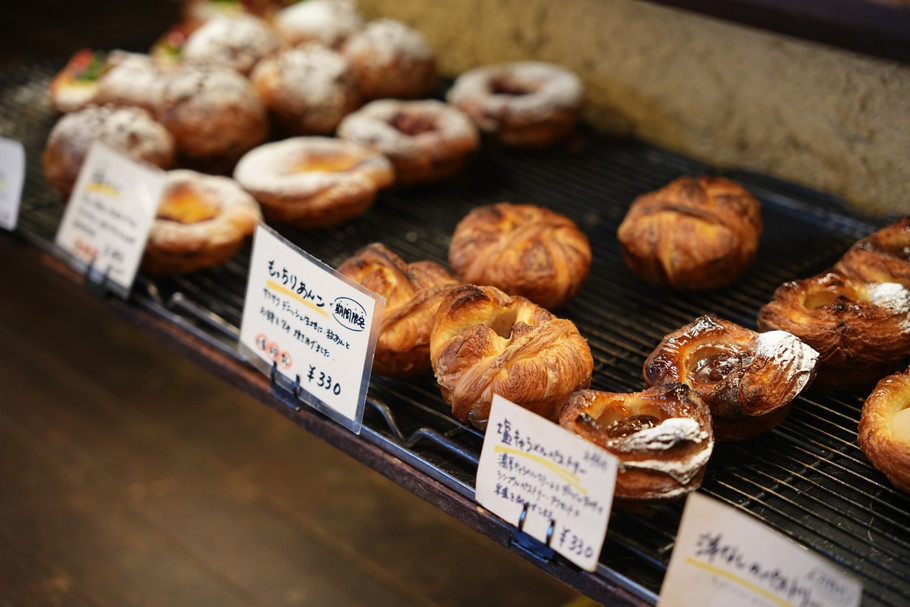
[237, 42]
[884, 428]
[327, 22]
[412, 294]
[662, 437]
[524, 250]
[748, 380]
[693, 234]
[485, 342]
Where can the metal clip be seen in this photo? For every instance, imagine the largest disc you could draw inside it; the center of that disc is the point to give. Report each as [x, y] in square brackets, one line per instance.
[530, 546]
[287, 394]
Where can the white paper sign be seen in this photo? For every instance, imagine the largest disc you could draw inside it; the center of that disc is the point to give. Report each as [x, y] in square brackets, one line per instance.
[310, 324]
[566, 482]
[726, 558]
[12, 176]
[107, 220]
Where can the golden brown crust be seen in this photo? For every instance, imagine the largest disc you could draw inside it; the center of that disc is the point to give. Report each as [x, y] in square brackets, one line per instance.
[485, 342]
[412, 294]
[693, 234]
[883, 256]
[861, 330]
[662, 437]
[522, 249]
[884, 428]
[747, 379]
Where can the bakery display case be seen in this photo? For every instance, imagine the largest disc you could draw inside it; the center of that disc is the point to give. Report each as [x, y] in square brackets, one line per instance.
[806, 478]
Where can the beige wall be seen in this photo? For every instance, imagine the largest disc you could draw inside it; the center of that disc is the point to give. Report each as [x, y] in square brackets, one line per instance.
[727, 94]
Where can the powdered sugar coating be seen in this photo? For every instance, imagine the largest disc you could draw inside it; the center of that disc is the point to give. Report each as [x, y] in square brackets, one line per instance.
[790, 354]
[328, 22]
[237, 42]
[131, 79]
[894, 297]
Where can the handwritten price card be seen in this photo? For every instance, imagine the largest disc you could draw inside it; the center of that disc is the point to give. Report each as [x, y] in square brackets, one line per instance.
[12, 176]
[565, 482]
[726, 558]
[109, 215]
[312, 325]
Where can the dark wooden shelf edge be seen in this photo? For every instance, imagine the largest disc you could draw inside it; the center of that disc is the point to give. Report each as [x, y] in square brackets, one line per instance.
[256, 385]
[873, 28]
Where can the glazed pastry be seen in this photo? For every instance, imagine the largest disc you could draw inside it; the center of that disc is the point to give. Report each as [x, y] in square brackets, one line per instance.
[883, 256]
[861, 330]
[130, 131]
[748, 380]
[884, 428]
[308, 90]
[426, 141]
[328, 22]
[237, 42]
[661, 436]
[74, 87]
[313, 182]
[214, 115]
[485, 342]
[412, 294]
[522, 249]
[391, 60]
[202, 221]
[693, 234]
[526, 104]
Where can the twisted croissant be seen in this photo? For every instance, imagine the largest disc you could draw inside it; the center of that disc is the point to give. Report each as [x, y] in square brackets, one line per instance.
[693, 234]
[485, 342]
[412, 292]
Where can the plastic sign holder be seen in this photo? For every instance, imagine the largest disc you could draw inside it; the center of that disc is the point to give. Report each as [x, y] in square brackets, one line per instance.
[12, 178]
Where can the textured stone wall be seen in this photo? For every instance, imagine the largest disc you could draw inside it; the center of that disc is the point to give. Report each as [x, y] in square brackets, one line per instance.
[730, 95]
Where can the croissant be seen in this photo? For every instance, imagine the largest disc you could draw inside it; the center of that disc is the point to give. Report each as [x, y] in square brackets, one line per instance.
[883, 256]
[523, 250]
[693, 234]
[662, 437]
[747, 379]
[861, 330]
[485, 342]
[412, 294]
[884, 428]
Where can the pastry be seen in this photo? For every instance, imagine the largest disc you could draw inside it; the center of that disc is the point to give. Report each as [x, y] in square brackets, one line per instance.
[130, 79]
[313, 182]
[412, 294]
[426, 141]
[202, 221]
[525, 104]
[214, 115]
[693, 234]
[197, 11]
[661, 436]
[237, 42]
[524, 250]
[129, 130]
[884, 428]
[485, 342]
[748, 380]
[308, 90]
[861, 330]
[391, 60]
[167, 50]
[74, 87]
[883, 256]
[328, 22]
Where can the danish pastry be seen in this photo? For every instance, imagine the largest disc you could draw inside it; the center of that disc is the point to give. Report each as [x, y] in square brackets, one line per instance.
[412, 294]
[202, 221]
[485, 342]
[426, 141]
[313, 182]
[884, 428]
[693, 234]
[861, 330]
[662, 437]
[522, 249]
[74, 87]
[526, 104]
[747, 379]
[883, 256]
[328, 22]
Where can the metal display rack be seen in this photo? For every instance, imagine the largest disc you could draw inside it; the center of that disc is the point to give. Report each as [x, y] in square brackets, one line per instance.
[807, 478]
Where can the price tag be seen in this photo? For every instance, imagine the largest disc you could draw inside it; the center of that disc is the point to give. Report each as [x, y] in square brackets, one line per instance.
[12, 176]
[310, 324]
[107, 220]
[726, 558]
[564, 482]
